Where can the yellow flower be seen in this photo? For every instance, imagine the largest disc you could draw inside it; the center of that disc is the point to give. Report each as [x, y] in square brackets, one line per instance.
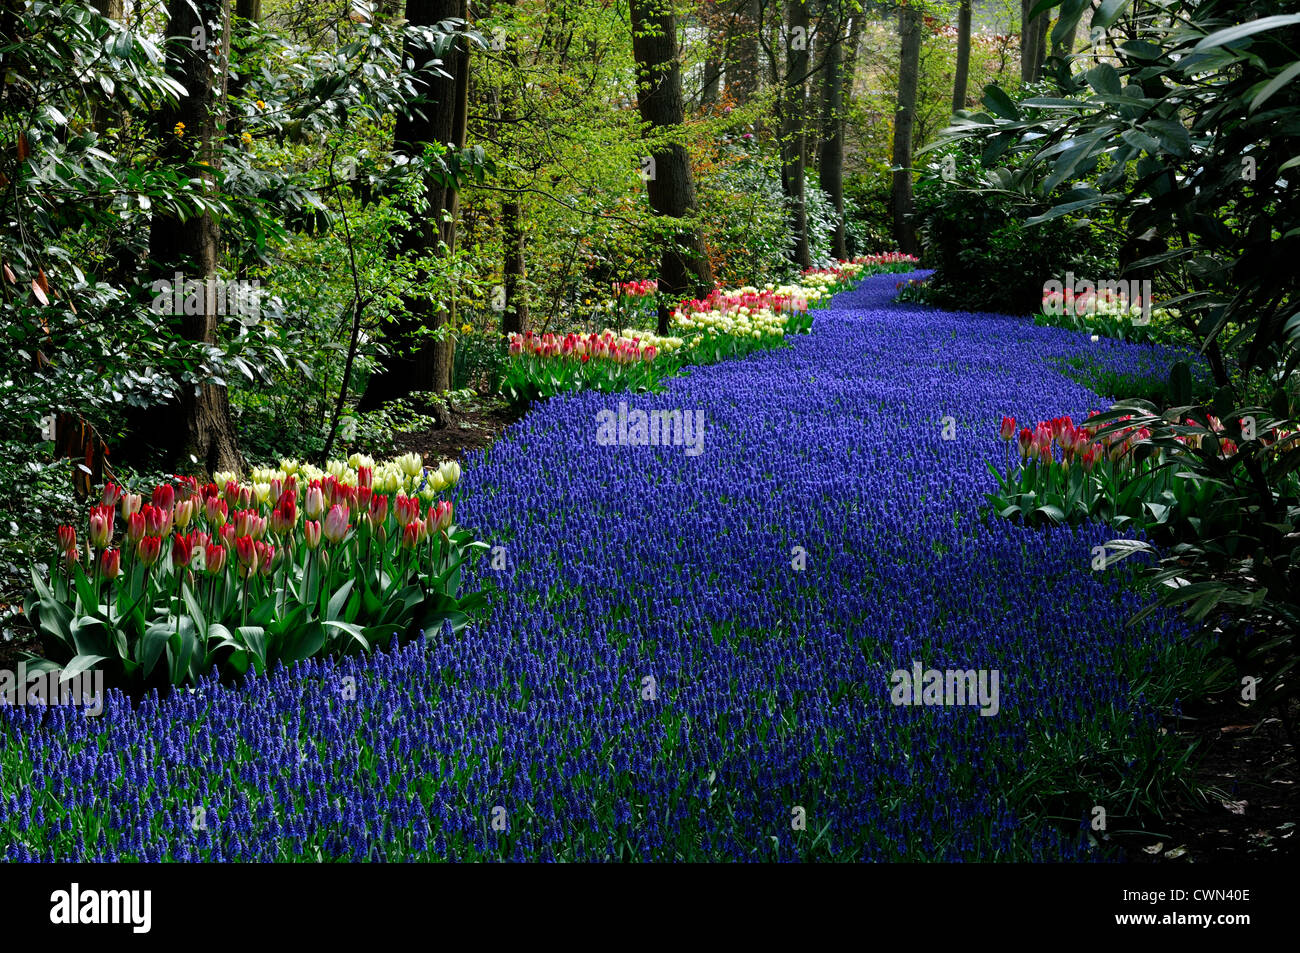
[179, 129]
[260, 104]
[466, 328]
[246, 139]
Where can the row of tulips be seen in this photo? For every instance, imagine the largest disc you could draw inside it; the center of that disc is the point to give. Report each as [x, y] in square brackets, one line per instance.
[1106, 469]
[238, 578]
[542, 365]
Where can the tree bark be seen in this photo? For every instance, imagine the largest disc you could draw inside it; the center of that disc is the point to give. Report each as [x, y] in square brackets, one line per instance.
[199, 424]
[1033, 42]
[684, 267]
[793, 111]
[742, 51]
[909, 28]
[515, 315]
[830, 155]
[961, 77]
[412, 364]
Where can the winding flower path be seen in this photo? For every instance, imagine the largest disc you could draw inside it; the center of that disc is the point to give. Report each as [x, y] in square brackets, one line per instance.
[689, 656]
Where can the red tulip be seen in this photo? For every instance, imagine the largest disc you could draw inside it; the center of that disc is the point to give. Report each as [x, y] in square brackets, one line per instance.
[150, 549]
[282, 521]
[164, 496]
[311, 530]
[67, 537]
[214, 558]
[135, 528]
[110, 564]
[265, 556]
[112, 493]
[1026, 441]
[156, 521]
[1008, 428]
[378, 509]
[246, 550]
[365, 477]
[216, 510]
[182, 550]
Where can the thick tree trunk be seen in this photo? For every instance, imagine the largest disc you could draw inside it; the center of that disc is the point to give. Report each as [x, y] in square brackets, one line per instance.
[909, 28]
[685, 267]
[113, 9]
[793, 114]
[515, 315]
[742, 51]
[416, 365]
[830, 155]
[199, 424]
[961, 77]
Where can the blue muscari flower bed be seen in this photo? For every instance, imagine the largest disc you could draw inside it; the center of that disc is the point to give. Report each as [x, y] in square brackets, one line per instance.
[771, 684]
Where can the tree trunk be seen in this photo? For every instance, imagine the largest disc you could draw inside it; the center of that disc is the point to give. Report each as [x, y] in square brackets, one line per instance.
[962, 76]
[1033, 42]
[515, 315]
[909, 28]
[417, 365]
[198, 425]
[112, 9]
[830, 155]
[793, 112]
[685, 267]
[742, 51]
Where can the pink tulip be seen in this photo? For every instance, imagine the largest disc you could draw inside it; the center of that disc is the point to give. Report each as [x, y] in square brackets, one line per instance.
[135, 528]
[314, 504]
[336, 524]
[156, 521]
[67, 537]
[406, 509]
[216, 510]
[101, 525]
[439, 518]
[112, 493]
[311, 530]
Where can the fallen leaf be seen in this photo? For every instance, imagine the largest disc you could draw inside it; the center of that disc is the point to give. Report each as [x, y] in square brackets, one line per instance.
[9, 272]
[39, 292]
[1155, 848]
[1175, 853]
[1236, 807]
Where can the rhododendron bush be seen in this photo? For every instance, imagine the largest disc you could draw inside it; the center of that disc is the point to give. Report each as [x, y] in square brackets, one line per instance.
[241, 575]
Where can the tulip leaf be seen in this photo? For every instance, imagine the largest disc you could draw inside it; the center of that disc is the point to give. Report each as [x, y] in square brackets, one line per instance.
[335, 607]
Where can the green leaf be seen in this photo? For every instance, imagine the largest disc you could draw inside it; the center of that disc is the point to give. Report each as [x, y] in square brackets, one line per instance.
[1278, 81]
[1108, 13]
[79, 664]
[335, 608]
[1234, 33]
[1000, 104]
